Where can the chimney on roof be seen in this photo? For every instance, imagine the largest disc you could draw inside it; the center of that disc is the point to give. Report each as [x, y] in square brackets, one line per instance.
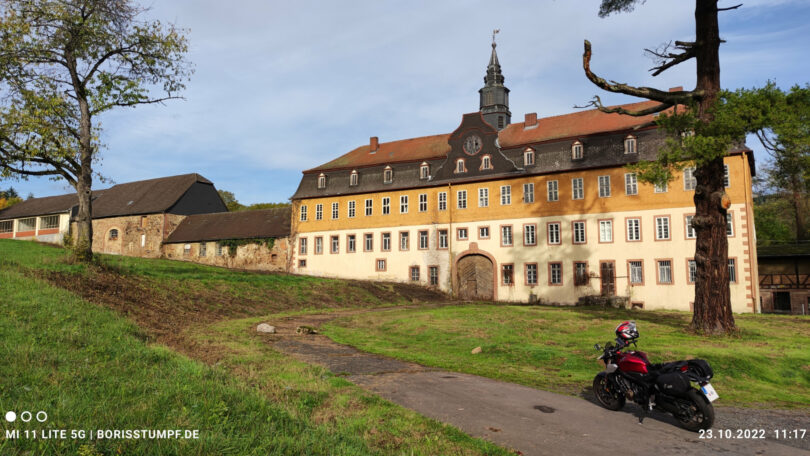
[676, 89]
[374, 143]
[530, 120]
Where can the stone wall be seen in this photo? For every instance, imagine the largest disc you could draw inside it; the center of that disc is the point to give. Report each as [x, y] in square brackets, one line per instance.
[251, 256]
[138, 235]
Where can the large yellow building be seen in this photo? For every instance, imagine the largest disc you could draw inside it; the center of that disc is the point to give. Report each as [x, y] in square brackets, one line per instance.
[543, 210]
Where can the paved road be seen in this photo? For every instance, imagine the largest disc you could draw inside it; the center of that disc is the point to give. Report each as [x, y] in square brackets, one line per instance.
[528, 420]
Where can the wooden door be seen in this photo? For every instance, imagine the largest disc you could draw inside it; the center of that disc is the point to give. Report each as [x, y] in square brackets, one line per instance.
[475, 278]
[608, 275]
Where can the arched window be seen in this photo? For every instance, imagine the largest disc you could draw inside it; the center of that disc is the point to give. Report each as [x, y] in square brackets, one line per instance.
[353, 178]
[630, 144]
[114, 234]
[424, 170]
[460, 167]
[528, 157]
[388, 175]
[577, 151]
[322, 181]
[486, 162]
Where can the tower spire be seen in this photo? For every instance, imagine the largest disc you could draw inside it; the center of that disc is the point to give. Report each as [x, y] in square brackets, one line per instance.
[494, 96]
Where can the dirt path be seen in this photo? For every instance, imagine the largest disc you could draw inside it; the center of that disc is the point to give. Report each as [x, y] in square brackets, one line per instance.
[531, 421]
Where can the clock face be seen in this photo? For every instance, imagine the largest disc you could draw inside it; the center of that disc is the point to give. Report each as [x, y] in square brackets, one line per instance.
[472, 145]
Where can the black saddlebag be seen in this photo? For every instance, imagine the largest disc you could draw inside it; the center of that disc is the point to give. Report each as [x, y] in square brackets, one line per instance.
[700, 368]
[673, 383]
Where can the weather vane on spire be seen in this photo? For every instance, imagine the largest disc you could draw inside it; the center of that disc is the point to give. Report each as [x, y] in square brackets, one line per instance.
[495, 32]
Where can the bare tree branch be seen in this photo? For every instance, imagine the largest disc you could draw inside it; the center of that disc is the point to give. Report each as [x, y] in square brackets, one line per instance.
[730, 8]
[597, 103]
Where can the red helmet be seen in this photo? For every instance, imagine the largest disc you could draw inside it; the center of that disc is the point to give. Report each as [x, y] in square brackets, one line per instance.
[627, 331]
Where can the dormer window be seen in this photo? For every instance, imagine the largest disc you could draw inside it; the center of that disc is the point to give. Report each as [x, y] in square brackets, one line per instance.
[460, 167]
[322, 181]
[486, 162]
[353, 178]
[577, 151]
[424, 170]
[528, 157]
[630, 144]
[388, 175]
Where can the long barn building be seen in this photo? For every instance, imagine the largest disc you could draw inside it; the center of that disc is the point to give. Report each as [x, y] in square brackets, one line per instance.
[541, 210]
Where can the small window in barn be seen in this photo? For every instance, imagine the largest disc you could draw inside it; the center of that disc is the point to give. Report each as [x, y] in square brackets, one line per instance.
[48, 223]
[186, 249]
[388, 175]
[302, 263]
[353, 178]
[414, 273]
[322, 181]
[114, 235]
[203, 249]
[630, 144]
[219, 249]
[424, 171]
[143, 221]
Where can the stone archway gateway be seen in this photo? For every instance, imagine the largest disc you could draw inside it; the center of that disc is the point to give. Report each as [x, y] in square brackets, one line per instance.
[475, 278]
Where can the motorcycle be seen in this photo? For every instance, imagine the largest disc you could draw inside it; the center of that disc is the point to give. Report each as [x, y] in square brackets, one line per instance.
[667, 387]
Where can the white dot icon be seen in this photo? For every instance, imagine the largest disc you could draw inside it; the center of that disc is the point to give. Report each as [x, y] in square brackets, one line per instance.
[11, 417]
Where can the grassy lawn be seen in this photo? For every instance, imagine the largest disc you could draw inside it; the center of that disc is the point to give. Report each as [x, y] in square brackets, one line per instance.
[767, 365]
[90, 368]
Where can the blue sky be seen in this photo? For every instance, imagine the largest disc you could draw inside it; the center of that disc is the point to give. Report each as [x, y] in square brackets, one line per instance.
[280, 87]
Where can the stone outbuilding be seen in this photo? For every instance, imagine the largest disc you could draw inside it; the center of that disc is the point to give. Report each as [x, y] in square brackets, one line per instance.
[784, 278]
[255, 240]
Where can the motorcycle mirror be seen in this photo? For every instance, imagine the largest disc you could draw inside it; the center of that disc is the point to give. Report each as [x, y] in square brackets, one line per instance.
[597, 347]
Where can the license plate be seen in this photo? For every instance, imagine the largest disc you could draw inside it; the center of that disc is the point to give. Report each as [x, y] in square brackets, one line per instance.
[709, 392]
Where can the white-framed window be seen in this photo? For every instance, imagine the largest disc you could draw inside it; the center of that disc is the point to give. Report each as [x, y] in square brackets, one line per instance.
[404, 240]
[486, 162]
[528, 193]
[434, 275]
[726, 182]
[630, 184]
[636, 272]
[351, 243]
[692, 266]
[508, 274]
[460, 166]
[732, 270]
[388, 175]
[506, 195]
[335, 211]
[322, 181]
[528, 157]
[303, 213]
[690, 230]
[49, 222]
[630, 145]
[386, 205]
[186, 249]
[30, 224]
[531, 273]
[664, 271]
[424, 171]
[302, 263]
[352, 209]
[579, 232]
[7, 226]
[462, 234]
[442, 239]
[461, 201]
[483, 197]
[483, 232]
[604, 186]
[319, 212]
[424, 240]
[577, 151]
[380, 264]
[385, 239]
[555, 273]
[414, 273]
[689, 180]
[633, 229]
[318, 245]
[353, 178]
[529, 234]
[335, 244]
[506, 235]
[577, 188]
[442, 201]
[203, 249]
[661, 228]
[403, 204]
[553, 233]
[368, 242]
[369, 207]
[552, 188]
[423, 202]
[580, 273]
[729, 224]
[606, 231]
[302, 247]
[661, 188]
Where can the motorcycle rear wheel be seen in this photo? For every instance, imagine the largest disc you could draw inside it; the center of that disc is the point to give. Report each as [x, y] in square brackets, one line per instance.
[605, 393]
[701, 412]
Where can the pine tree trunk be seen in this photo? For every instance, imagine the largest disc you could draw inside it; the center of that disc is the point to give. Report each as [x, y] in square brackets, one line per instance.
[712, 305]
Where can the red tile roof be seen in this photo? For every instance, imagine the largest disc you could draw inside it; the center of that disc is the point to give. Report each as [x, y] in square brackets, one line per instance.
[580, 123]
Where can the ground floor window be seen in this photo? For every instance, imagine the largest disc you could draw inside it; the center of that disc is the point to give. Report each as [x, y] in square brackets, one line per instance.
[531, 273]
[434, 275]
[29, 224]
[203, 249]
[302, 263]
[665, 271]
[48, 223]
[636, 272]
[507, 274]
[335, 244]
[380, 264]
[781, 301]
[555, 273]
[580, 273]
[113, 234]
[414, 273]
[219, 248]
[7, 226]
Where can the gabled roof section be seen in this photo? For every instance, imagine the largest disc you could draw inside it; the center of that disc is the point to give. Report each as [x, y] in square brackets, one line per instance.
[414, 149]
[42, 206]
[575, 124]
[268, 223]
[144, 197]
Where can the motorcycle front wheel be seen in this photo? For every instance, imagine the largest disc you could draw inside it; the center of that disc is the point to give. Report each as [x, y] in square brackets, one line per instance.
[607, 392]
[699, 414]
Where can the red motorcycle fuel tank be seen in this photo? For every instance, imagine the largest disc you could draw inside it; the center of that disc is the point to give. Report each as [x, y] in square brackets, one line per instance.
[634, 362]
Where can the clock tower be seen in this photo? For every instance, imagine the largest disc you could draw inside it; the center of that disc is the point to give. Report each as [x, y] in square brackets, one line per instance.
[494, 96]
